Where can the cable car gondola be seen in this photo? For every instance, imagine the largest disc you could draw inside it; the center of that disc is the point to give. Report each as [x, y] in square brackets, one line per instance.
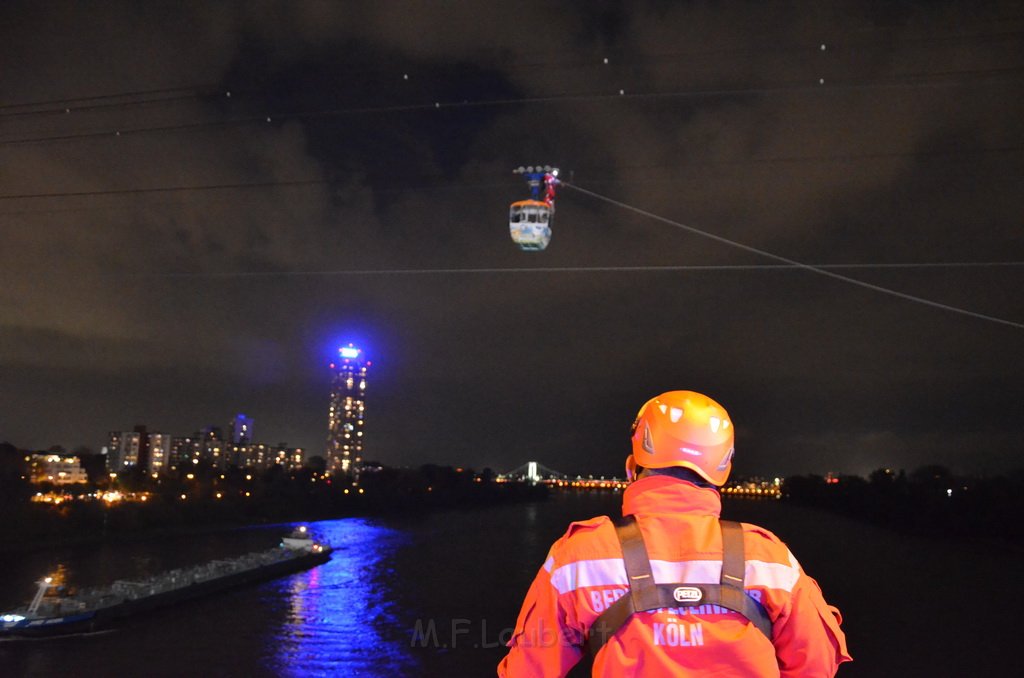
[529, 221]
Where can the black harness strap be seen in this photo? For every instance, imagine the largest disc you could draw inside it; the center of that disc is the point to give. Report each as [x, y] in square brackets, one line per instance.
[734, 563]
[642, 590]
[645, 594]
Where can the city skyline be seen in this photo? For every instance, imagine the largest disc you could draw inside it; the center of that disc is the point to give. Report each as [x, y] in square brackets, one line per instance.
[156, 452]
[204, 201]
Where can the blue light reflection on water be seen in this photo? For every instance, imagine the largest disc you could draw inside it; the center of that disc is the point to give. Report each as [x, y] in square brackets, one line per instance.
[342, 618]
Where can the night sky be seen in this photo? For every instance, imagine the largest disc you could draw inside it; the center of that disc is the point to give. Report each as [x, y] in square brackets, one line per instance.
[200, 201]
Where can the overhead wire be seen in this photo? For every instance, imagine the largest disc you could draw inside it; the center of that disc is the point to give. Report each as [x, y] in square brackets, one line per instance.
[107, 106]
[397, 183]
[546, 99]
[783, 265]
[783, 262]
[668, 268]
[167, 189]
[792, 262]
[73, 101]
[830, 43]
[834, 42]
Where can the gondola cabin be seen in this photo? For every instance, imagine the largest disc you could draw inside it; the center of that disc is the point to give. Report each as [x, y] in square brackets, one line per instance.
[529, 222]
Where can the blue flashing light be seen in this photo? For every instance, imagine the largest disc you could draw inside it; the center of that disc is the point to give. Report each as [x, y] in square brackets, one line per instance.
[349, 352]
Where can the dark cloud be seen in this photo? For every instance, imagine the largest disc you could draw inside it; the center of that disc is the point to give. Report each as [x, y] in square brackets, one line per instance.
[159, 307]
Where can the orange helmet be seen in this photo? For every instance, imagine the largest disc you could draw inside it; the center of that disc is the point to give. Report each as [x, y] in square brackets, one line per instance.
[683, 428]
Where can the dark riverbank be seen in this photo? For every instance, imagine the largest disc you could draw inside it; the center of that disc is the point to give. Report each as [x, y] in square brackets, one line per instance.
[930, 501]
[213, 502]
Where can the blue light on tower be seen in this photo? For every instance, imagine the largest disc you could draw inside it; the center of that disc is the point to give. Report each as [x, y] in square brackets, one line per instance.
[347, 409]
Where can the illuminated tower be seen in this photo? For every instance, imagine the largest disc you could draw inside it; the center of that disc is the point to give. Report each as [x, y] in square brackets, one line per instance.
[241, 430]
[346, 417]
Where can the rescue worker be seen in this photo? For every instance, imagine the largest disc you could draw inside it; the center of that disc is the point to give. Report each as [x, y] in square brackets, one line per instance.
[672, 590]
[535, 180]
[550, 181]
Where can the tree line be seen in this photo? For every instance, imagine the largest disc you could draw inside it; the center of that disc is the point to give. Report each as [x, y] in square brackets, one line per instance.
[930, 500]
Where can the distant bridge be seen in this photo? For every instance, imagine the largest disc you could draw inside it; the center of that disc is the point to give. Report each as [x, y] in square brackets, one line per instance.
[536, 473]
[533, 472]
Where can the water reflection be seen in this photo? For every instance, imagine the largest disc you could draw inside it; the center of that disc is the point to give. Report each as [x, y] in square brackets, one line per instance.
[342, 617]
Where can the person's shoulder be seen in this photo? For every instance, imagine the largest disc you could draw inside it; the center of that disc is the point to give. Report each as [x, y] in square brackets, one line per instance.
[582, 530]
[756, 532]
[585, 539]
[589, 525]
[762, 544]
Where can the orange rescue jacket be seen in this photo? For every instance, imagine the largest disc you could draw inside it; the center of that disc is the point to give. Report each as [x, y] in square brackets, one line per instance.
[584, 574]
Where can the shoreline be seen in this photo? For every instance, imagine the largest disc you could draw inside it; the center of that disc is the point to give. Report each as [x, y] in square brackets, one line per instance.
[97, 534]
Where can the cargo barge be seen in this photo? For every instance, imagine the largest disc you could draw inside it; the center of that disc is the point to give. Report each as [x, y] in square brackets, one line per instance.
[53, 614]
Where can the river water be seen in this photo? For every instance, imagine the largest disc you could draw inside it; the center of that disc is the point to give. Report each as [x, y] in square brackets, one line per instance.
[436, 594]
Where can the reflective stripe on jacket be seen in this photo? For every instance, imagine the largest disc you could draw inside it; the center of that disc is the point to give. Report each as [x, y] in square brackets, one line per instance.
[583, 574]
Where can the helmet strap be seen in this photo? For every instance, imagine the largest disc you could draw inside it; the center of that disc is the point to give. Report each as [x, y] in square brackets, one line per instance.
[630, 468]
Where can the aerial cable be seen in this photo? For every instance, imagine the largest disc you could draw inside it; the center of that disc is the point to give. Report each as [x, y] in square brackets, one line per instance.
[397, 185]
[835, 157]
[845, 157]
[70, 101]
[167, 189]
[792, 262]
[668, 268]
[821, 85]
[105, 106]
[834, 43]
